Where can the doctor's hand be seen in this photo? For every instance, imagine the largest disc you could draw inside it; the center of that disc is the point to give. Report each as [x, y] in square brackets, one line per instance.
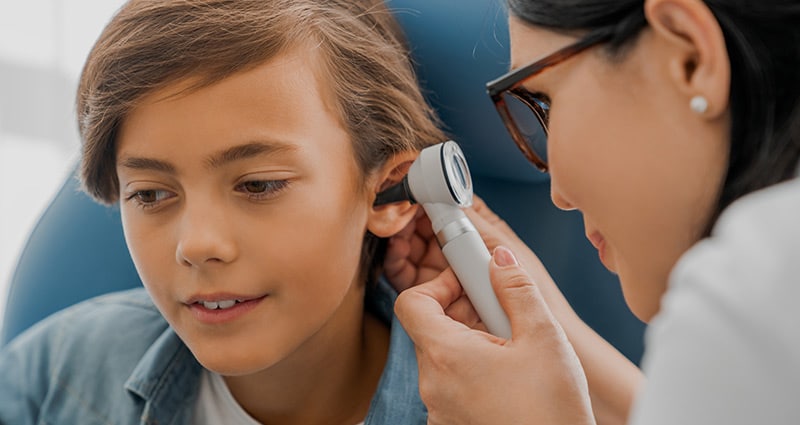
[469, 376]
[413, 255]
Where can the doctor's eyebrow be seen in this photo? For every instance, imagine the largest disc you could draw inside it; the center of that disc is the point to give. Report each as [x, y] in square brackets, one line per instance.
[232, 154]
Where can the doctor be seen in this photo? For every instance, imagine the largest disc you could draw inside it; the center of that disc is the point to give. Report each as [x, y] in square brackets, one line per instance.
[674, 127]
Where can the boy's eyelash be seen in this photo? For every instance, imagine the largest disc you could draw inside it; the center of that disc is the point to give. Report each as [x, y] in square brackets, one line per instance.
[262, 189]
[254, 189]
[139, 198]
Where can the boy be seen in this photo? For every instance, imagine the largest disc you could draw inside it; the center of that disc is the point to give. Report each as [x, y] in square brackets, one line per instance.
[245, 142]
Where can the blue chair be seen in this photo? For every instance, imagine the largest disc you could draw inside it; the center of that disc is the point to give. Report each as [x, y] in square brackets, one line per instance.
[77, 249]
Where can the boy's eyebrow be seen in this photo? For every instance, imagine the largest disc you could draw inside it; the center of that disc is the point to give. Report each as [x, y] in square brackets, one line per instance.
[235, 153]
[147, 164]
[249, 150]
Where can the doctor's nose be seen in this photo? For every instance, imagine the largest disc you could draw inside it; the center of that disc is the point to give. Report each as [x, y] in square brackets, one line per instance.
[559, 201]
[204, 238]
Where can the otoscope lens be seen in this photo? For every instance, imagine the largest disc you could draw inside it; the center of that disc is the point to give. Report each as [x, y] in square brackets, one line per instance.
[457, 174]
[460, 167]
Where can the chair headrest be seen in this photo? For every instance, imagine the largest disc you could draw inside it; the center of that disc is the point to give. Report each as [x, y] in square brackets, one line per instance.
[458, 46]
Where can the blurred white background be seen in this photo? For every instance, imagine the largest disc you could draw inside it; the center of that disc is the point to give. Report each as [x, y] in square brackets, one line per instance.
[43, 44]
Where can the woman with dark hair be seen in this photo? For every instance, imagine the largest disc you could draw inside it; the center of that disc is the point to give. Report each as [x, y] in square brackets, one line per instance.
[674, 127]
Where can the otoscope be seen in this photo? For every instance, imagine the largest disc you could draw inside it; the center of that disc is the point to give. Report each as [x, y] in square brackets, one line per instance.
[439, 179]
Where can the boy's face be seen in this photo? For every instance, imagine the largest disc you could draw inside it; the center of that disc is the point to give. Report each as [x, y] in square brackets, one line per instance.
[244, 213]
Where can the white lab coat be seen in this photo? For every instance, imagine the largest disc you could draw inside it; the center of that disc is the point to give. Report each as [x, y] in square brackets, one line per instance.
[725, 347]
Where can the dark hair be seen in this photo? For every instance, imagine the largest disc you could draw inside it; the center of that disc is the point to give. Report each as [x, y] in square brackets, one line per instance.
[150, 44]
[763, 42]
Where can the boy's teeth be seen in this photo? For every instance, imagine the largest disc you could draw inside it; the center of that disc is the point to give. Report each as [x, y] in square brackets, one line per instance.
[226, 303]
[213, 305]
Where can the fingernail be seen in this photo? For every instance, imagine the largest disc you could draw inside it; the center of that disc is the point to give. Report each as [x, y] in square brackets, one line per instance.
[504, 257]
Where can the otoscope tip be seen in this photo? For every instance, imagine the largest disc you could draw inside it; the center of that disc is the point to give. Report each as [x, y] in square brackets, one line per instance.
[396, 193]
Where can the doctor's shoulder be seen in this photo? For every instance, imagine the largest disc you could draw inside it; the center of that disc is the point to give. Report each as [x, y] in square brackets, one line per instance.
[725, 346]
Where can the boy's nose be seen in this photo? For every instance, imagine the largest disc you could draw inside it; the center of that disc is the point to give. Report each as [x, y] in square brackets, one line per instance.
[204, 238]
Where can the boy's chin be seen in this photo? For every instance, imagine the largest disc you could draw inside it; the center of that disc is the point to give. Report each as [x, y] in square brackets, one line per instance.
[229, 361]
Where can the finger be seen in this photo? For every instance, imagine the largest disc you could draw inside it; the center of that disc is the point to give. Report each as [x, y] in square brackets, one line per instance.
[397, 251]
[482, 209]
[421, 309]
[403, 277]
[396, 267]
[409, 230]
[463, 311]
[487, 221]
[434, 257]
[419, 248]
[424, 228]
[522, 301]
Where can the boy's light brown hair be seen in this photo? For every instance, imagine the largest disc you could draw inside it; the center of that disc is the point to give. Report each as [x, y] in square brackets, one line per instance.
[150, 44]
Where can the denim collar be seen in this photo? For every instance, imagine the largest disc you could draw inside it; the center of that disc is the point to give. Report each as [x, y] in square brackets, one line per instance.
[397, 399]
[167, 379]
[168, 376]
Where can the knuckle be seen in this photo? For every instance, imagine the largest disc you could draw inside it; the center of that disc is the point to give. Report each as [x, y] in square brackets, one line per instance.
[519, 280]
[502, 224]
[404, 299]
[427, 390]
[516, 278]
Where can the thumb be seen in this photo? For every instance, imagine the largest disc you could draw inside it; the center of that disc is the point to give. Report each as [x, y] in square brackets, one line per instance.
[520, 298]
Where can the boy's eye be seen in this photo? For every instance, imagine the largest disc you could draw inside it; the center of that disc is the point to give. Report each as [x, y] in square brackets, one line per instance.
[262, 189]
[150, 197]
[259, 186]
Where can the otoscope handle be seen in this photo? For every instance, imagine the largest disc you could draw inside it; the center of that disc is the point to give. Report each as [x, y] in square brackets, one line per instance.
[468, 257]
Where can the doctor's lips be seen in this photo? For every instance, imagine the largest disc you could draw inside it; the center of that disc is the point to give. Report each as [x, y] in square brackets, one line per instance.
[599, 242]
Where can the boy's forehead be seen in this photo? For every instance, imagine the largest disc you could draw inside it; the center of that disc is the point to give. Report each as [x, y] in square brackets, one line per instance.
[287, 62]
[283, 94]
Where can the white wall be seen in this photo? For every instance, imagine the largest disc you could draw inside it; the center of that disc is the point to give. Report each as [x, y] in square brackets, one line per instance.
[43, 44]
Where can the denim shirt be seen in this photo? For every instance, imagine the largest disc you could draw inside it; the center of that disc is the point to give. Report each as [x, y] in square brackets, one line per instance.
[115, 360]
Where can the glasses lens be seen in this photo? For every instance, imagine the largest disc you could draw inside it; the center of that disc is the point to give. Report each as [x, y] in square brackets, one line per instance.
[527, 120]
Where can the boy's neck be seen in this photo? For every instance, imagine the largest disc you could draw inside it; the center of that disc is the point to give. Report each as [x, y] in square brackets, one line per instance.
[329, 380]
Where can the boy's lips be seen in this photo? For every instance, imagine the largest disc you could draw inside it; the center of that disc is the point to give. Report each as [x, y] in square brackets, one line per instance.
[219, 308]
[221, 296]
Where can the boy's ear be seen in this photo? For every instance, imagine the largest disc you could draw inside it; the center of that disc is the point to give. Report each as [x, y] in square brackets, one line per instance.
[387, 220]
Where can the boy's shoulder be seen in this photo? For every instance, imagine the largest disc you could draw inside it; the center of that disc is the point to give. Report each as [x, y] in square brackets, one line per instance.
[76, 362]
[117, 320]
[108, 331]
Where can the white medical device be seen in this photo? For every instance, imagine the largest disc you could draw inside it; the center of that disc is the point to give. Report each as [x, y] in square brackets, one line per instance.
[439, 180]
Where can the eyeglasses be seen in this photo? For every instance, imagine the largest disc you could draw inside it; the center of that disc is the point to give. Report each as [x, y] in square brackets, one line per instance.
[526, 114]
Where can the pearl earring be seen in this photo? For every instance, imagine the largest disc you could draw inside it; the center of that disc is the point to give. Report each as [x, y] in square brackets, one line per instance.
[699, 104]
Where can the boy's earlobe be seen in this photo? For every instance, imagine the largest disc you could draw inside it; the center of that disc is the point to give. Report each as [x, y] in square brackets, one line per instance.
[387, 220]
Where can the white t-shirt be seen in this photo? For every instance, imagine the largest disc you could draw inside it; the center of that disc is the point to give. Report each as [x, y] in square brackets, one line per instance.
[725, 348]
[216, 405]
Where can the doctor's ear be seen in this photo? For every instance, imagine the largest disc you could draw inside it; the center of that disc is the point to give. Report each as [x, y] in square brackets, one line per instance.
[387, 220]
[695, 52]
